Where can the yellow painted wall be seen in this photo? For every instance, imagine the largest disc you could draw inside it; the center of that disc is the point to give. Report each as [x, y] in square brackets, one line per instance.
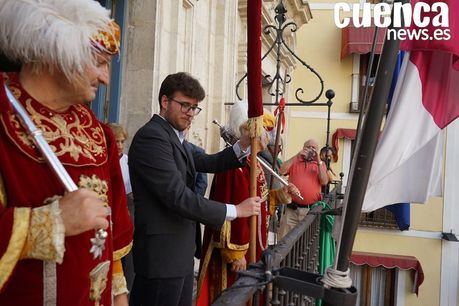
[429, 216]
[301, 129]
[319, 44]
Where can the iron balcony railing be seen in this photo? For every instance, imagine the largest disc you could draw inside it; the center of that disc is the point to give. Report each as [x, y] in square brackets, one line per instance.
[297, 252]
[299, 249]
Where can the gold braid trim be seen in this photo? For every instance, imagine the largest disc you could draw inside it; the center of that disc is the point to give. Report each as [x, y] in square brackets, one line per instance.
[255, 126]
[205, 264]
[118, 254]
[2, 193]
[223, 245]
[46, 234]
[277, 197]
[272, 202]
[226, 229]
[224, 278]
[283, 197]
[119, 285]
[16, 244]
[230, 256]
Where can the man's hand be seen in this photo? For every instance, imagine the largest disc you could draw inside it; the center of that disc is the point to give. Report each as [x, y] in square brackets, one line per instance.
[82, 211]
[316, 156]
[292, 189]
[249, 207]
[239, 265]
[303, 154]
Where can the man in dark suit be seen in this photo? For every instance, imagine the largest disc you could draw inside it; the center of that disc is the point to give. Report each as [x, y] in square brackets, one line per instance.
[162, 172]
[200, 187]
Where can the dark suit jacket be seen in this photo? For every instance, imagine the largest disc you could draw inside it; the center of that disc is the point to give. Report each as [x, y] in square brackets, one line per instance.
[162, 174]
[200, 186]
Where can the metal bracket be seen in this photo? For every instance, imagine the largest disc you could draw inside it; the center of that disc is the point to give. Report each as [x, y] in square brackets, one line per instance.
[449, 237]
[309, 284]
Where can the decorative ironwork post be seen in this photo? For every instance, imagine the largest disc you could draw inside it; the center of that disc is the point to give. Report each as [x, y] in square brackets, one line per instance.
[277, 83]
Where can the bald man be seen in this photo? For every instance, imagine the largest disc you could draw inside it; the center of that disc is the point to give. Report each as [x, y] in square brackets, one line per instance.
[309, 174]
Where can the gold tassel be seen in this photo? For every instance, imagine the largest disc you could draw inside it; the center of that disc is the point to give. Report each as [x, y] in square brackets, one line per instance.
[255, 126]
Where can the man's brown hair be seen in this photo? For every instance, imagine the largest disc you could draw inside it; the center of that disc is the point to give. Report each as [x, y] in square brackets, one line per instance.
[182, 82]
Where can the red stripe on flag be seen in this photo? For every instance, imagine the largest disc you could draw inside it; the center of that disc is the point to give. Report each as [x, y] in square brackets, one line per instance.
[440, 44]
[440, 90]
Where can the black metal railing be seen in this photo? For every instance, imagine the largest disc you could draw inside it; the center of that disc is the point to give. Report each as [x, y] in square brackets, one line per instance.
[278, 279]
[301, 252]
[299, 249]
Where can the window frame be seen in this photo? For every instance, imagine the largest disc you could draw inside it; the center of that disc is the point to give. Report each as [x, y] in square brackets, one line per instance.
[106, 105]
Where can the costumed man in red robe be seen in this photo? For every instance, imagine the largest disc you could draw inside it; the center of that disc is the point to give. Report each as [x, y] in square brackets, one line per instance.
[225, 251]
[64, 49]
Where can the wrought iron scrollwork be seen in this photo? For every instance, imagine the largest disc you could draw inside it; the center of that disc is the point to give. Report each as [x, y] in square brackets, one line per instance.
[278, 82]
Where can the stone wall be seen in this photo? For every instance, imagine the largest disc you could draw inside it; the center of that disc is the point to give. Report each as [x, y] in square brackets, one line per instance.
[206, 38]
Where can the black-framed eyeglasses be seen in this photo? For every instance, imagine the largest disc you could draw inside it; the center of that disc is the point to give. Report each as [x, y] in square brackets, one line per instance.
[185, 107]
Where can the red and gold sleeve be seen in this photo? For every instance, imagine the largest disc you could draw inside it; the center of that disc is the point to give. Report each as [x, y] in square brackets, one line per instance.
[29, 233]
[14, 225]
[232, 187]
[122, 225]
[119, 285]
[277, 197]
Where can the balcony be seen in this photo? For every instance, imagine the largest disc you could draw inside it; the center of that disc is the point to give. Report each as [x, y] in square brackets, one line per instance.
[278, 278]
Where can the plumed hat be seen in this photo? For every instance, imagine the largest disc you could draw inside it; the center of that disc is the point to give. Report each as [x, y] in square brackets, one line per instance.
[269, 121]
[238, 117]
[269, 124]
[56, 33]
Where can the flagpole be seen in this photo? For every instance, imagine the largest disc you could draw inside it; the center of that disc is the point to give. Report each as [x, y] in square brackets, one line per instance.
[363, 107]
[255, 105]
[364, 154]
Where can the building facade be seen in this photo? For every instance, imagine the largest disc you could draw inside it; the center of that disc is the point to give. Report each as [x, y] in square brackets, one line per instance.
[206, 38]
[320, 43]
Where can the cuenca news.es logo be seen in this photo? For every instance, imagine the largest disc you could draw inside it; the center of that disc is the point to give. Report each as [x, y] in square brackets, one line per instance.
[431, 21]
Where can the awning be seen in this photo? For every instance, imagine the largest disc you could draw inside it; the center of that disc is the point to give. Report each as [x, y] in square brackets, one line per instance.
[359, 40]
[342, 133]
[389, 261]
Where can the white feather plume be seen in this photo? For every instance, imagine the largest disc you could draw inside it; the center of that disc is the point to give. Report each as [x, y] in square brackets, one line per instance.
[51, 32]
[238, 116]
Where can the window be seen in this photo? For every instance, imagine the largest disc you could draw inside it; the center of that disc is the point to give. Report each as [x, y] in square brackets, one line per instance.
[364, 63]
[375, 286]
[107, 102]
[359, 79]
[380, 218]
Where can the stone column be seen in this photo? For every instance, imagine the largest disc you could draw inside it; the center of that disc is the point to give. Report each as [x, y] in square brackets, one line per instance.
[138, 55]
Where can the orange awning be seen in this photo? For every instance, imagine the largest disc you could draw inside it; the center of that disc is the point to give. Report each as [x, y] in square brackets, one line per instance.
[360, 40]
